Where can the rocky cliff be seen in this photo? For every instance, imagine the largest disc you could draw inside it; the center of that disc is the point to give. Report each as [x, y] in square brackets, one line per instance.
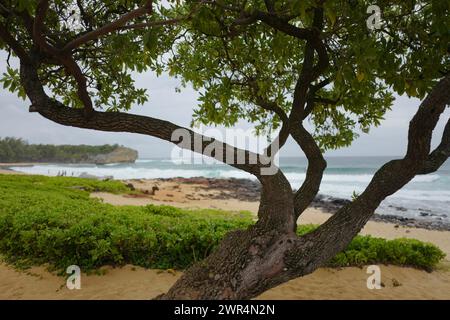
[118, 155]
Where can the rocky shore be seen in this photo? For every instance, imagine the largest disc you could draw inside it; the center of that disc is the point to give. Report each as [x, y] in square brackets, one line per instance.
[248, 190]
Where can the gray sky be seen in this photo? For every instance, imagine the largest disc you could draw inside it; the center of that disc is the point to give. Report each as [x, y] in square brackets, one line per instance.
[387, 140]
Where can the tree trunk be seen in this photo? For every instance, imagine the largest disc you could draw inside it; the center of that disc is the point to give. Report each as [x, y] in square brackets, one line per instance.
[246, 262]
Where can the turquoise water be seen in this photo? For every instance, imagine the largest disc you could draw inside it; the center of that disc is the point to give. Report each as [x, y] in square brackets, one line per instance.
[344, 175]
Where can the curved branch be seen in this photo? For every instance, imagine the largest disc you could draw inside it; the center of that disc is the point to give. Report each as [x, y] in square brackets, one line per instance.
[124, 122]
[311, 99]
[439, 155]
[277, 23]
[283, 135]
[335, 234]
[310, 72]
[38, 26]
[13, 44]
[303, 89]
[82, 89]
[108, 28]
[314, 173]
[65, 59]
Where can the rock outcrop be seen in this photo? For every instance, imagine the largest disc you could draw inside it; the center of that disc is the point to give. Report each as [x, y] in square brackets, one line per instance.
[118, 155]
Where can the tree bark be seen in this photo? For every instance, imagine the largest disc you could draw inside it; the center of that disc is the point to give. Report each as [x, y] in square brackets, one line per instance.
[247, 262]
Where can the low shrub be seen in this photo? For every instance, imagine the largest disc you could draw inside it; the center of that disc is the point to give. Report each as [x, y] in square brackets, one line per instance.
[365, 250]
[54, 221]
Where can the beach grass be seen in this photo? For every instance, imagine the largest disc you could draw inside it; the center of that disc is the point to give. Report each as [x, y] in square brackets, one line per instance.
[53, 221]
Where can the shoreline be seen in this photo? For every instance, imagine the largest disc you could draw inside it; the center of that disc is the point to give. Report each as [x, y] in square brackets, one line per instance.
[249, 191]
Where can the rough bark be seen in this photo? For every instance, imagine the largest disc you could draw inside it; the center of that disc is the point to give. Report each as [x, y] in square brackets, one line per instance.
[439, 155]
[314, 173]
[247, 262]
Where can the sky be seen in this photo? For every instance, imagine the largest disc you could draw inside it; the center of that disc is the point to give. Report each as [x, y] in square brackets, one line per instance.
[389, 139]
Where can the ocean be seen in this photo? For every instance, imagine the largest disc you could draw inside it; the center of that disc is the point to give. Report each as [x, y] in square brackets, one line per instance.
[424, 196]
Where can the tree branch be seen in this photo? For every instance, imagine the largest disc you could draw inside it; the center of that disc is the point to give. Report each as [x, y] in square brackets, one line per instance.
[124, 122]
[312, 98]
[38, 26]
[439, 155]
[316, 162]
[13, 44]
[310, 72]
[337, 232]
[271, 106]
[108, 28]
[65, 59]
[283, 135]
[284, 26]
[314, 173]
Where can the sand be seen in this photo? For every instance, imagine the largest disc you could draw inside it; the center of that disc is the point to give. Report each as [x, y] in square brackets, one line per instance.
[5, 171]
[131, 282]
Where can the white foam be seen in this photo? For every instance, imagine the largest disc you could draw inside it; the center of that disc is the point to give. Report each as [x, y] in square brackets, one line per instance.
[337, 185]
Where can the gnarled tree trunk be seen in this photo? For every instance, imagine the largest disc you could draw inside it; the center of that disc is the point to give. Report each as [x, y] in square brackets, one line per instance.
[247, 262]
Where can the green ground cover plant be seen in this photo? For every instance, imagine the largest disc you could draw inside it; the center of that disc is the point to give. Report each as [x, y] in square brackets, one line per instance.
[52, 220]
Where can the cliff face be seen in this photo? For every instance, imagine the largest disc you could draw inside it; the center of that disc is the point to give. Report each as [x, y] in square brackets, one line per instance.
[118, 155]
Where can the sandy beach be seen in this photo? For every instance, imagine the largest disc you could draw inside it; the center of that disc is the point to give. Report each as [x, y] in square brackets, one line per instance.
[130, 282]
[6, 171]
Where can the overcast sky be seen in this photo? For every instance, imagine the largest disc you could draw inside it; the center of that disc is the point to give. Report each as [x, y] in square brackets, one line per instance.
[389, 139]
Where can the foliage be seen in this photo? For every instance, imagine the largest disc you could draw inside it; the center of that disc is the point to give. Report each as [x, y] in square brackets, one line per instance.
[53, 220]
[365, 250]
[55, 223]
[407, 54]
[233, 65]
[18, 150]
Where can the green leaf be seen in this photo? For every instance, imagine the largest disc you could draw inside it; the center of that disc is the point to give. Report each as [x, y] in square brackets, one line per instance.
[151, 41]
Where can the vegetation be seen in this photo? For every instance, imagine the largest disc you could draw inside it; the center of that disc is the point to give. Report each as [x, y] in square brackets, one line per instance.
[56, 222]
[18, 150]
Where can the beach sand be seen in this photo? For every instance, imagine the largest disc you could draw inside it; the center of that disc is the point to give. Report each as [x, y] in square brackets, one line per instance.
[131, 282]
[6, 171]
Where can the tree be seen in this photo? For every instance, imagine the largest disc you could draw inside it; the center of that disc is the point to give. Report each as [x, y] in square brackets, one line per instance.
[18, 150]
[274, 63]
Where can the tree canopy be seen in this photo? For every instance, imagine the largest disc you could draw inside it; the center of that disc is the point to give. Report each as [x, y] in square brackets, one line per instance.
[244, 57]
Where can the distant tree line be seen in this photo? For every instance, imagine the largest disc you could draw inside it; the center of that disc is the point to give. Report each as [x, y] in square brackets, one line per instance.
[19, 150]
